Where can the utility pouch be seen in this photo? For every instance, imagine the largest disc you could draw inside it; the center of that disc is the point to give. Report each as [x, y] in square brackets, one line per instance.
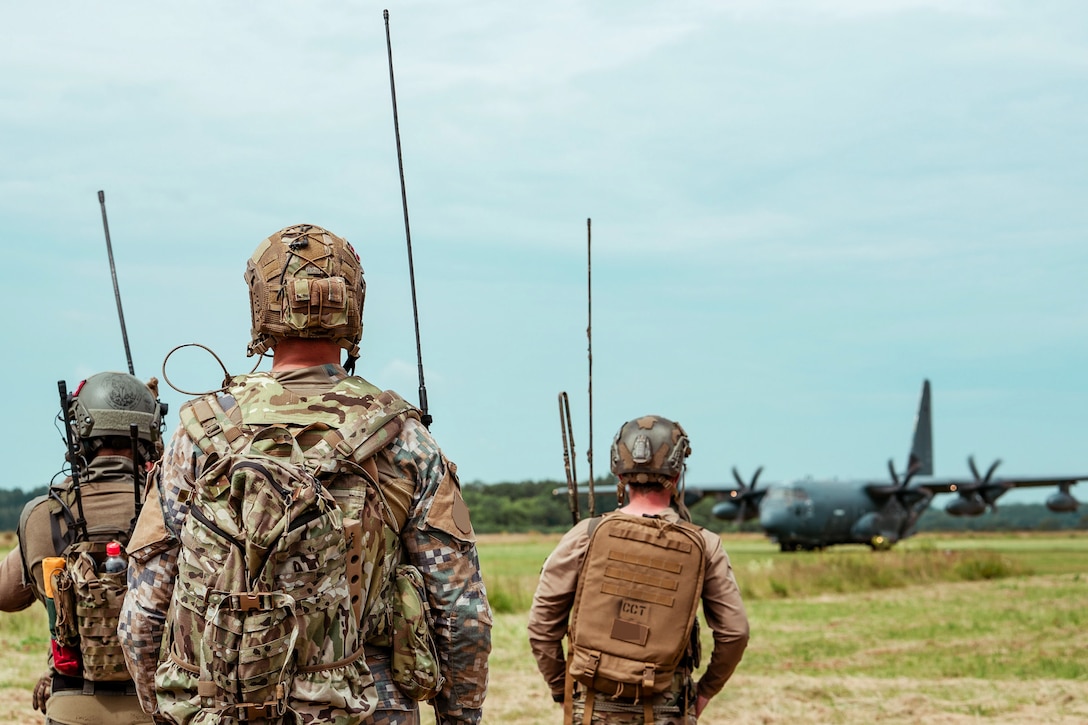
[413, 658]
[88, 604]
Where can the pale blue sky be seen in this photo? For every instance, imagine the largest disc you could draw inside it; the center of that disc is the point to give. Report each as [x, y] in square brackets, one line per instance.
[800, 210]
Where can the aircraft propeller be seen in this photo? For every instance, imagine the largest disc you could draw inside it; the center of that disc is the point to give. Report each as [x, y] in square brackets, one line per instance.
[901, 485]
[974, 499]
[744, 496]
[983, 480]
[989, 491]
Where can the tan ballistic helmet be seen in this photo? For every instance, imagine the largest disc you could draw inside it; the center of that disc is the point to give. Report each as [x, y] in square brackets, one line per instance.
[650, 449]
[304, 281]
[106, 404]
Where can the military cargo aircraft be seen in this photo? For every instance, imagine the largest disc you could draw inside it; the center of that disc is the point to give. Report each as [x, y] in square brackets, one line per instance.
[812, 514]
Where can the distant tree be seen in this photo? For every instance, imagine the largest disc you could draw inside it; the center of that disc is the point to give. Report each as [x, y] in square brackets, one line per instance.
[11, 505]
[1009, 517]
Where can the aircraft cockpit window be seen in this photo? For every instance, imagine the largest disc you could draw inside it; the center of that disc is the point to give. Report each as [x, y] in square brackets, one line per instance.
[786, 495]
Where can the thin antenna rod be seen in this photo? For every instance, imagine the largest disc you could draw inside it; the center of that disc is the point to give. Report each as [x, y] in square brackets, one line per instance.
[589, 337]
[425, 417]
[113, 273]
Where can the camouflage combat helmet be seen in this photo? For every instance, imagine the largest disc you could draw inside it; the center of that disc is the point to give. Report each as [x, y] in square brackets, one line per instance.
[107, 404]
[650, 449]
[304, 281]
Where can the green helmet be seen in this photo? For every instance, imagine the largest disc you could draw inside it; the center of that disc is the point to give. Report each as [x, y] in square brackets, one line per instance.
[107, 404]
[650, 449]
[304, 281]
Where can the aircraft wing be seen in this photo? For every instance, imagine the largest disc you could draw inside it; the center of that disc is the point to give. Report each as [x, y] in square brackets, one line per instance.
[738, 501]
[953, 485]
[975, 495]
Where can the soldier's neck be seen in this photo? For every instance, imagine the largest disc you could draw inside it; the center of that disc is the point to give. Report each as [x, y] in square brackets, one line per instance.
[292, 353]
[651, 503]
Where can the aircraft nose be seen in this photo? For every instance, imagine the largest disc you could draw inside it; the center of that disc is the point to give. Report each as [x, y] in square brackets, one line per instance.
[773, 519]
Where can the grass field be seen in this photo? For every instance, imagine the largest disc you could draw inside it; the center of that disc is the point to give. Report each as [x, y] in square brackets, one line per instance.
[963, 629]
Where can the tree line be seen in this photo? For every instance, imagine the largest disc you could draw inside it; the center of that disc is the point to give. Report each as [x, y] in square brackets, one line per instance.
[534, 506]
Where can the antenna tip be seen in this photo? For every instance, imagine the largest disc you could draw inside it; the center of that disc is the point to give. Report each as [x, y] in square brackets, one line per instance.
[385, 14]
[101, 195]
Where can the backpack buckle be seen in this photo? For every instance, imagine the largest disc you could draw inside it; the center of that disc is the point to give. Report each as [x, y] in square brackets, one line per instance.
[647, 677]
[256, 711]
[593, 663]
[250, 601]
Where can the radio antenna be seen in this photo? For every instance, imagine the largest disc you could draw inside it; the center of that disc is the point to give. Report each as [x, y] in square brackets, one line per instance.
[113, 273]
[589, 337]
[425, 417]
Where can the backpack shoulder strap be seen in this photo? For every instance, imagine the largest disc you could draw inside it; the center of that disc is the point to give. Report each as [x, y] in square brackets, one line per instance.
[376, 417]
[593, 523]
[211, 426]
[371, 426]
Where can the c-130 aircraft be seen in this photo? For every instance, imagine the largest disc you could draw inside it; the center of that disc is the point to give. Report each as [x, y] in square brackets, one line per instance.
[812, 514]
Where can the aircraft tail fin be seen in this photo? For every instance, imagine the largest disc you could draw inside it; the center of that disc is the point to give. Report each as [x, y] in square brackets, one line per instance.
[921, 450]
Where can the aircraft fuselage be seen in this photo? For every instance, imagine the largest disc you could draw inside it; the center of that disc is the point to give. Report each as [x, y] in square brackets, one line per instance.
[810, 514]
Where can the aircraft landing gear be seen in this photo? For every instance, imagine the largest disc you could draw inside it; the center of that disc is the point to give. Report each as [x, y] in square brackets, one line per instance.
[880, 543]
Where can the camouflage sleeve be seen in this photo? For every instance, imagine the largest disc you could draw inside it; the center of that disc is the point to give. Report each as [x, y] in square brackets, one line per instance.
[153, 554]
[442, 545]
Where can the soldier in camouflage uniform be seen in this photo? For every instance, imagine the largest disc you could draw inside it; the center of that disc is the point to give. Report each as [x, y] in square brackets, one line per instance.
[306, 295]
[104, 407]
[648, 457]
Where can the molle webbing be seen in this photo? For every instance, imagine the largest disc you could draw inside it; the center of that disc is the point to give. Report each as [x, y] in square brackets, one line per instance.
[353, 417]
[634, 610]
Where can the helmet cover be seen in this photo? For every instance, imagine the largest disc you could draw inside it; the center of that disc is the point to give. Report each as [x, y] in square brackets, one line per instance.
[107, 404]
[650, 449]
[304, 281]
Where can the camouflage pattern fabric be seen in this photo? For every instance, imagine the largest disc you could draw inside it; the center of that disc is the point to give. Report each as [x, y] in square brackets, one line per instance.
[414, 658]
[271, 628]
[436, 537]
[88, 603]
[107, 495]
[263, 621]
[394, 707]
[305, 281]
[668, 708]
[603, 717]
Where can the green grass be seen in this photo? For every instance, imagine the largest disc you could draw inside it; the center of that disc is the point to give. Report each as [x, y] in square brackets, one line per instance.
[976, 626]
[511, 565]
[935, 606]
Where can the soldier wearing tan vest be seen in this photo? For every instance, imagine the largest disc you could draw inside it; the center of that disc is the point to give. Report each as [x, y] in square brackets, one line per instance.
[623, 589]
[86, 682]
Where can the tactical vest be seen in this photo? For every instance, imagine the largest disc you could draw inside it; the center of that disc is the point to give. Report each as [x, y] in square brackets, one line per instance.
[282, 554]
[634, 610]
[86, 601]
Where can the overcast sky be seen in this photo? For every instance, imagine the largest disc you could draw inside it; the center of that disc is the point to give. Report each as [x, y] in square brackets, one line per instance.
[800, 210]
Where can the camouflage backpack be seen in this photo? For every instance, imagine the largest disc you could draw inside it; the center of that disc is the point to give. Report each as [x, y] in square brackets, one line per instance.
[84, 602]
[281, 555]
[88, 604]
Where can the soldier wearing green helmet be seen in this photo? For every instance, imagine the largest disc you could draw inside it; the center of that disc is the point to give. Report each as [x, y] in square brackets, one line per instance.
[114, 421]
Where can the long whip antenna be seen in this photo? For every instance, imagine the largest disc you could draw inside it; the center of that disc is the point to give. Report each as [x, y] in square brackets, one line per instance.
[425, 417]
[113, 273]
[569, 463]
[589, 337]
